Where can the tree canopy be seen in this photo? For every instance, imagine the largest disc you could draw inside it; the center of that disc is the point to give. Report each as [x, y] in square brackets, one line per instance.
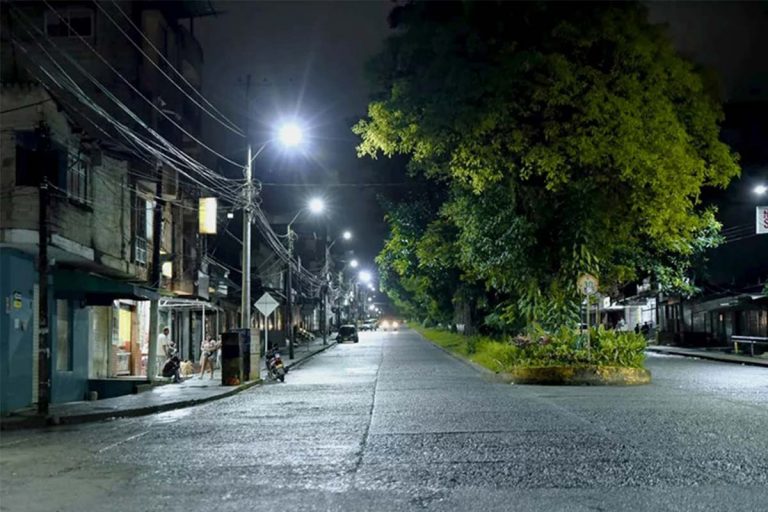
[571, 137]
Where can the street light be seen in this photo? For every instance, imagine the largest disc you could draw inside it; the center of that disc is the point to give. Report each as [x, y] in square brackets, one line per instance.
[290, 134]
[353, 263]
[316, 206]
[760, 189]
[347, 235]
[365, 276]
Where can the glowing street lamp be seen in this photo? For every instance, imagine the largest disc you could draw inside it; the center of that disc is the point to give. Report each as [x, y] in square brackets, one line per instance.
[365, 276]
[353, 263]
[316, 205]
[760, 189]
[290, 135]
[347, 235]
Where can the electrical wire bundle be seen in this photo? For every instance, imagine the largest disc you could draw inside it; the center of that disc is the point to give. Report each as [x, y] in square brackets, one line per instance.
[142, 140]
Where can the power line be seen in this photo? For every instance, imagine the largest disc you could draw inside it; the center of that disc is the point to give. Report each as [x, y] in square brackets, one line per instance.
[133, 138]
[136, 90]
[228, 125]
[22, 107]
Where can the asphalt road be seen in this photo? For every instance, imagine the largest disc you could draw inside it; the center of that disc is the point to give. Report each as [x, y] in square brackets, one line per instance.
[393, 423]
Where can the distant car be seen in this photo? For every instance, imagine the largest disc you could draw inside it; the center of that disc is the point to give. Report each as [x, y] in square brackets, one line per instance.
[369, 326]
[389, 325]
[347, 333]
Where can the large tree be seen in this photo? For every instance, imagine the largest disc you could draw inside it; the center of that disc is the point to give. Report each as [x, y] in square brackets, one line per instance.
[572, 138]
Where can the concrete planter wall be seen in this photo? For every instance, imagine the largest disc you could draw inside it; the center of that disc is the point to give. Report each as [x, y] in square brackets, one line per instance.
[578, 376]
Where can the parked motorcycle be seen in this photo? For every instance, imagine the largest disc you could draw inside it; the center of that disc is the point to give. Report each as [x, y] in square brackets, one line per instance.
[275, 367]
[304, 335]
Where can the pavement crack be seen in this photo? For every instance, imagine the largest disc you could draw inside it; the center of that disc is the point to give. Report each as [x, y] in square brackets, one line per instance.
[114, 445]
[366, 432]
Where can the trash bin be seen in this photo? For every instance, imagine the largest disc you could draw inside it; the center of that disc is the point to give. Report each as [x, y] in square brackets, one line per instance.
[245, 352]
[231, 358]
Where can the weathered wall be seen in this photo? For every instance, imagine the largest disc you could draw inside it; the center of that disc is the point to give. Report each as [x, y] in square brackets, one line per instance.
[17, 274]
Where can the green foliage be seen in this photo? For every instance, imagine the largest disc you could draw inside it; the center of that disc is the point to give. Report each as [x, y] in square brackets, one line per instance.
[417, 265]
[571, 137]
[565, 347]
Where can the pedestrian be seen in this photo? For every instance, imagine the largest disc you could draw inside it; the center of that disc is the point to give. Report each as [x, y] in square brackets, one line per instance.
[637, 328]
[163, 342]
[645, 329]
[172, 364]
[208, 349]
[165, 347]
[620, 324]
[171, 369]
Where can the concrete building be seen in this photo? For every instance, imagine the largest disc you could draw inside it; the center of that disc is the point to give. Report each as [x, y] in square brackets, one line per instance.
[102, 194]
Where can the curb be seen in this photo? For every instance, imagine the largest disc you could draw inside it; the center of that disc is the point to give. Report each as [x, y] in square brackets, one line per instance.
[19, 423]
[301, 361]
[578, 376]
[708, 357]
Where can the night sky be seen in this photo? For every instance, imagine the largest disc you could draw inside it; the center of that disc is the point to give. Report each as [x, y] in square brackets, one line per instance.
[307, 59]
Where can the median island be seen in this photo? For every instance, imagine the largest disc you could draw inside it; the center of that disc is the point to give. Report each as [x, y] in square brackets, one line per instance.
[565, 357]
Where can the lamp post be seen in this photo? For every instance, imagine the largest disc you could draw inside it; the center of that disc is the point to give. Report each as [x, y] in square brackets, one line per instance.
[316, 206]
[364, 276]
[346, 235]
[290, 135]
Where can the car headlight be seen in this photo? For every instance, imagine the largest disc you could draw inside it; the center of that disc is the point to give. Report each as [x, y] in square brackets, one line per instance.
[384, 324]
[395, 325]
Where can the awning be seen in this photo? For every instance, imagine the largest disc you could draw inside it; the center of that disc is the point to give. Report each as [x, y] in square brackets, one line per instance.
[97, 290]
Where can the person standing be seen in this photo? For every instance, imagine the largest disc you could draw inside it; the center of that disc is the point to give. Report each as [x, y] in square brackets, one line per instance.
[165, 347]
[208, 349]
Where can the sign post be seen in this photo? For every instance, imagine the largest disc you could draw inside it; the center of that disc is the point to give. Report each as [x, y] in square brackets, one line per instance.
[266, 305]
[761, 220]
[587, 285]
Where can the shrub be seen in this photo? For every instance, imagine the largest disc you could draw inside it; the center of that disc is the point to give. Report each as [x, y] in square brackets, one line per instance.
[538, 347]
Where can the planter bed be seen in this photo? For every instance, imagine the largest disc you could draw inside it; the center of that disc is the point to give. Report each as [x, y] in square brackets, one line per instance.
[578, 376]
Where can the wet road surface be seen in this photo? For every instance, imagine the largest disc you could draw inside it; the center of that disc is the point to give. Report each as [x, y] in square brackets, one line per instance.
[393, 423]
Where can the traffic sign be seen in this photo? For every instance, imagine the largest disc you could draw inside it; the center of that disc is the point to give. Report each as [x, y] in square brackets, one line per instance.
[762, 220]
[587, 284]
[266, 304]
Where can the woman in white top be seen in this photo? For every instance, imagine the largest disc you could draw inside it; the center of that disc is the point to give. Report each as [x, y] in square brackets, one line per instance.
[208, 350]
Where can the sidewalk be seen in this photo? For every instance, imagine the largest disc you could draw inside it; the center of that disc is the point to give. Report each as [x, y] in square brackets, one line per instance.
[709, 354]
[192, 391]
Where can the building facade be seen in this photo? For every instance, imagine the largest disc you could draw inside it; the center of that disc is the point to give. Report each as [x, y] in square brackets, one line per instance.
[59, 70]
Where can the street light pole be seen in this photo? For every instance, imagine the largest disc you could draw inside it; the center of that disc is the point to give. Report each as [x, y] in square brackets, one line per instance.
[289, 292]
[245, 305]
[324, 289]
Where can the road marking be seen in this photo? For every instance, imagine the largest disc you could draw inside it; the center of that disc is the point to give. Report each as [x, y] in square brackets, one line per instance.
[113, 445]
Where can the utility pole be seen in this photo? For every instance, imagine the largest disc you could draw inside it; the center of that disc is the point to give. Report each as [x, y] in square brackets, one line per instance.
[245, 299]
[289, 295]
[44, 339]
[157, 233]
[324, 288]
[245, 304]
